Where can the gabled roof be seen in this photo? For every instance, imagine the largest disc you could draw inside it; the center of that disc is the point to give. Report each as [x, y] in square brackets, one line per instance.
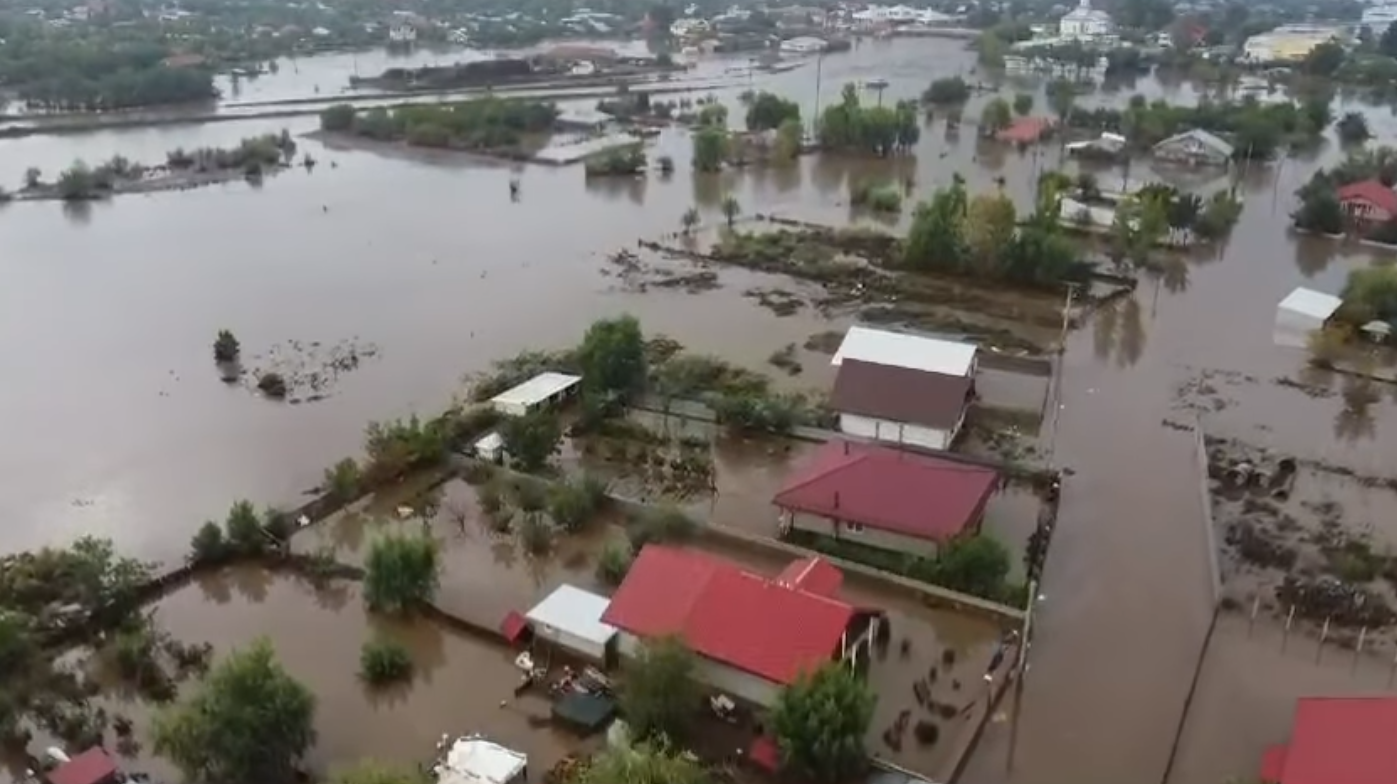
[1344, 740]
[1373, 191]
[897, 394]
[756, 624]
[1203, 137]
[901, 349]
[891, 490]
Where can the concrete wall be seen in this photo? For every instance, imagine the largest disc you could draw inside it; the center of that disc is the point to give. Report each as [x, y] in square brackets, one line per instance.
[888, 540]
[896, 432]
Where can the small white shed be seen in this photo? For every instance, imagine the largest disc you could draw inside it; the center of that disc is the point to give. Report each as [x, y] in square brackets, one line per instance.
[475, 760]
[545, 389]
[571, 619]
[1302, 312]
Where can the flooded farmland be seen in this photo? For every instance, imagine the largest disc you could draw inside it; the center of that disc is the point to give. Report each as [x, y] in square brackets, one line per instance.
[118, 425]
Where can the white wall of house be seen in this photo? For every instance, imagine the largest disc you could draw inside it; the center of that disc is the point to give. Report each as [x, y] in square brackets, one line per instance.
[898, 432]
[718, 676]
[571, 642]
[887, 540]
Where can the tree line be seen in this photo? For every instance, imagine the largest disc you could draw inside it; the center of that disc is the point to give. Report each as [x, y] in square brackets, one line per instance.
[1256, 130]
[64, 72]
[480, 124]
[849, 126]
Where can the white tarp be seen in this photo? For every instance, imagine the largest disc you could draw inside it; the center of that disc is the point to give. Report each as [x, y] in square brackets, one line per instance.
[1302, 312]
[474, 760]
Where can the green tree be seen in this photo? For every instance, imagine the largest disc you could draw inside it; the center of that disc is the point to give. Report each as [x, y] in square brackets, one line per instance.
[337, 118]
[1023, 104]
[936, 240]
[659, 696]
[226, 347]
[383, 661]
[343, 480]
[768, 111]
[731, 209]
[789, 138]
[248, 721]
[996, 116]
[644, 763]
[377, 773]
[990, 222]
[820, 722]
[1353, 128]
[713, 115]
[614, 563]
[243, 529]
[401, 570]
[208, 545]
[612, 358]
[33, 177]
[77, 183]
[690, 220]
[949, 90]
[1062, 96]
[1324, 60]
[532, 439]
[977, 565]
[710, 149]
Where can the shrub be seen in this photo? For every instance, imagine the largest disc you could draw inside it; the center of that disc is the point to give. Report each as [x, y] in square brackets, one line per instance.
[530, 494]
[208, 545]
[226, 347]
[535, 534]
[613, 564]
[383, 661]
[663, 525]
[342, 480]
[572, 503]
[277, 525]
[243, 530]
[490, 498]
[273, 385]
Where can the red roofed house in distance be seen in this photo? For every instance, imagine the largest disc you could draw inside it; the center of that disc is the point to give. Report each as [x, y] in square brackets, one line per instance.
[1336, 740]
[888, 498]
[753, 634]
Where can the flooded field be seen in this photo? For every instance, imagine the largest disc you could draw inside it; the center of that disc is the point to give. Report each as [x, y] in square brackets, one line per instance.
[118, 424]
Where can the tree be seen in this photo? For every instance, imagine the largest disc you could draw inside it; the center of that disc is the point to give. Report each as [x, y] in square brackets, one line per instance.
[612, 358]
[995, 117]
[337, 118]
[1023, 104]
[383, 661]
[77, 183]
[208, 545]
[990, 222]
[401, 571]
[1062, 95]
[820, 722]
[530, 440]
[731, 209]
[248, 721]
[376, 773]
[768, 111]
[936, 240]
[710, 149]
[33, 177]
[644, 763]
[690, 220]
[1324, 60]
[243, 530]
[949, 90]
[226, 347]
[343, 480]
[713, 115]
[977, 565]
[789, 138]
[1353, 128]
[659, 696]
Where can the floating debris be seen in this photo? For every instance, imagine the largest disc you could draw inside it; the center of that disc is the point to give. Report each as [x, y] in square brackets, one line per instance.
[305, 372]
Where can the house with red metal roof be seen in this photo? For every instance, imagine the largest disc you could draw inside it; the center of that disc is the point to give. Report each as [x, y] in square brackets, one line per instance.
[752, 634]
[94, 766]
[888, 498]
[903, 388]
[1336, 740]
[1369, 201]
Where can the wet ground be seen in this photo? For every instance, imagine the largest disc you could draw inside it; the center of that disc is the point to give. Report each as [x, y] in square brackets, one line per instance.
[118, 425]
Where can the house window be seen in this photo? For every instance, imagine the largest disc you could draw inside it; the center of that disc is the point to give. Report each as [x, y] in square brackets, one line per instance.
[852, 527]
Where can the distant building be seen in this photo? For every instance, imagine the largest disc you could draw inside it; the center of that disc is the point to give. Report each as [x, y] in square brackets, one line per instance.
[1336, 739]
[541, 391]
[1300, 314]
[1195, 147]
[803, 45]
[402, 34]
[1085, 22]
[1368, 201]
[1288, 43]
[888, 498]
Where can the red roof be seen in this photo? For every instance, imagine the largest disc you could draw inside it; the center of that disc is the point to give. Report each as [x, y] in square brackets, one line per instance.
[1025, 130]
[765, 754]
[813, 575]
[1341, 740]
[744, 620]
[1371, 191]
[891, 490]
[90, 767]
[513, 626]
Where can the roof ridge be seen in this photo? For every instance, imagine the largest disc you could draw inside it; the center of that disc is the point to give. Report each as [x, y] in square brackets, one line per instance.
[825, 474]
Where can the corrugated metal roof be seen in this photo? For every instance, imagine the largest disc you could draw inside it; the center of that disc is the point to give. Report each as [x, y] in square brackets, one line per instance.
[575, 611]
[1308, 302]
[536, 389]
[901, 349]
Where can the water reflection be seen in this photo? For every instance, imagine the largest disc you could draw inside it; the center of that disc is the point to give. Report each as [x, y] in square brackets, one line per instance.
[631, 189]
[1355, 421]
[1312, 254]
[79, 213]
[1118, 332]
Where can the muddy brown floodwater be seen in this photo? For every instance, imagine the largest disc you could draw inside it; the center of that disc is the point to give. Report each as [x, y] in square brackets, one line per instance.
[117, 425]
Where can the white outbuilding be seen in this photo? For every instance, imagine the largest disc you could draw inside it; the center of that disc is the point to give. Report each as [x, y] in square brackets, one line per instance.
[475, 760]
[570, 618]
[1301, 313]
[541, 391]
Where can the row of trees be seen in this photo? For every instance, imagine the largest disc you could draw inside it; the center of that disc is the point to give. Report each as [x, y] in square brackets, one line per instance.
[849, 126]
[1257, 130]
[480, 124]
[981, 237]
